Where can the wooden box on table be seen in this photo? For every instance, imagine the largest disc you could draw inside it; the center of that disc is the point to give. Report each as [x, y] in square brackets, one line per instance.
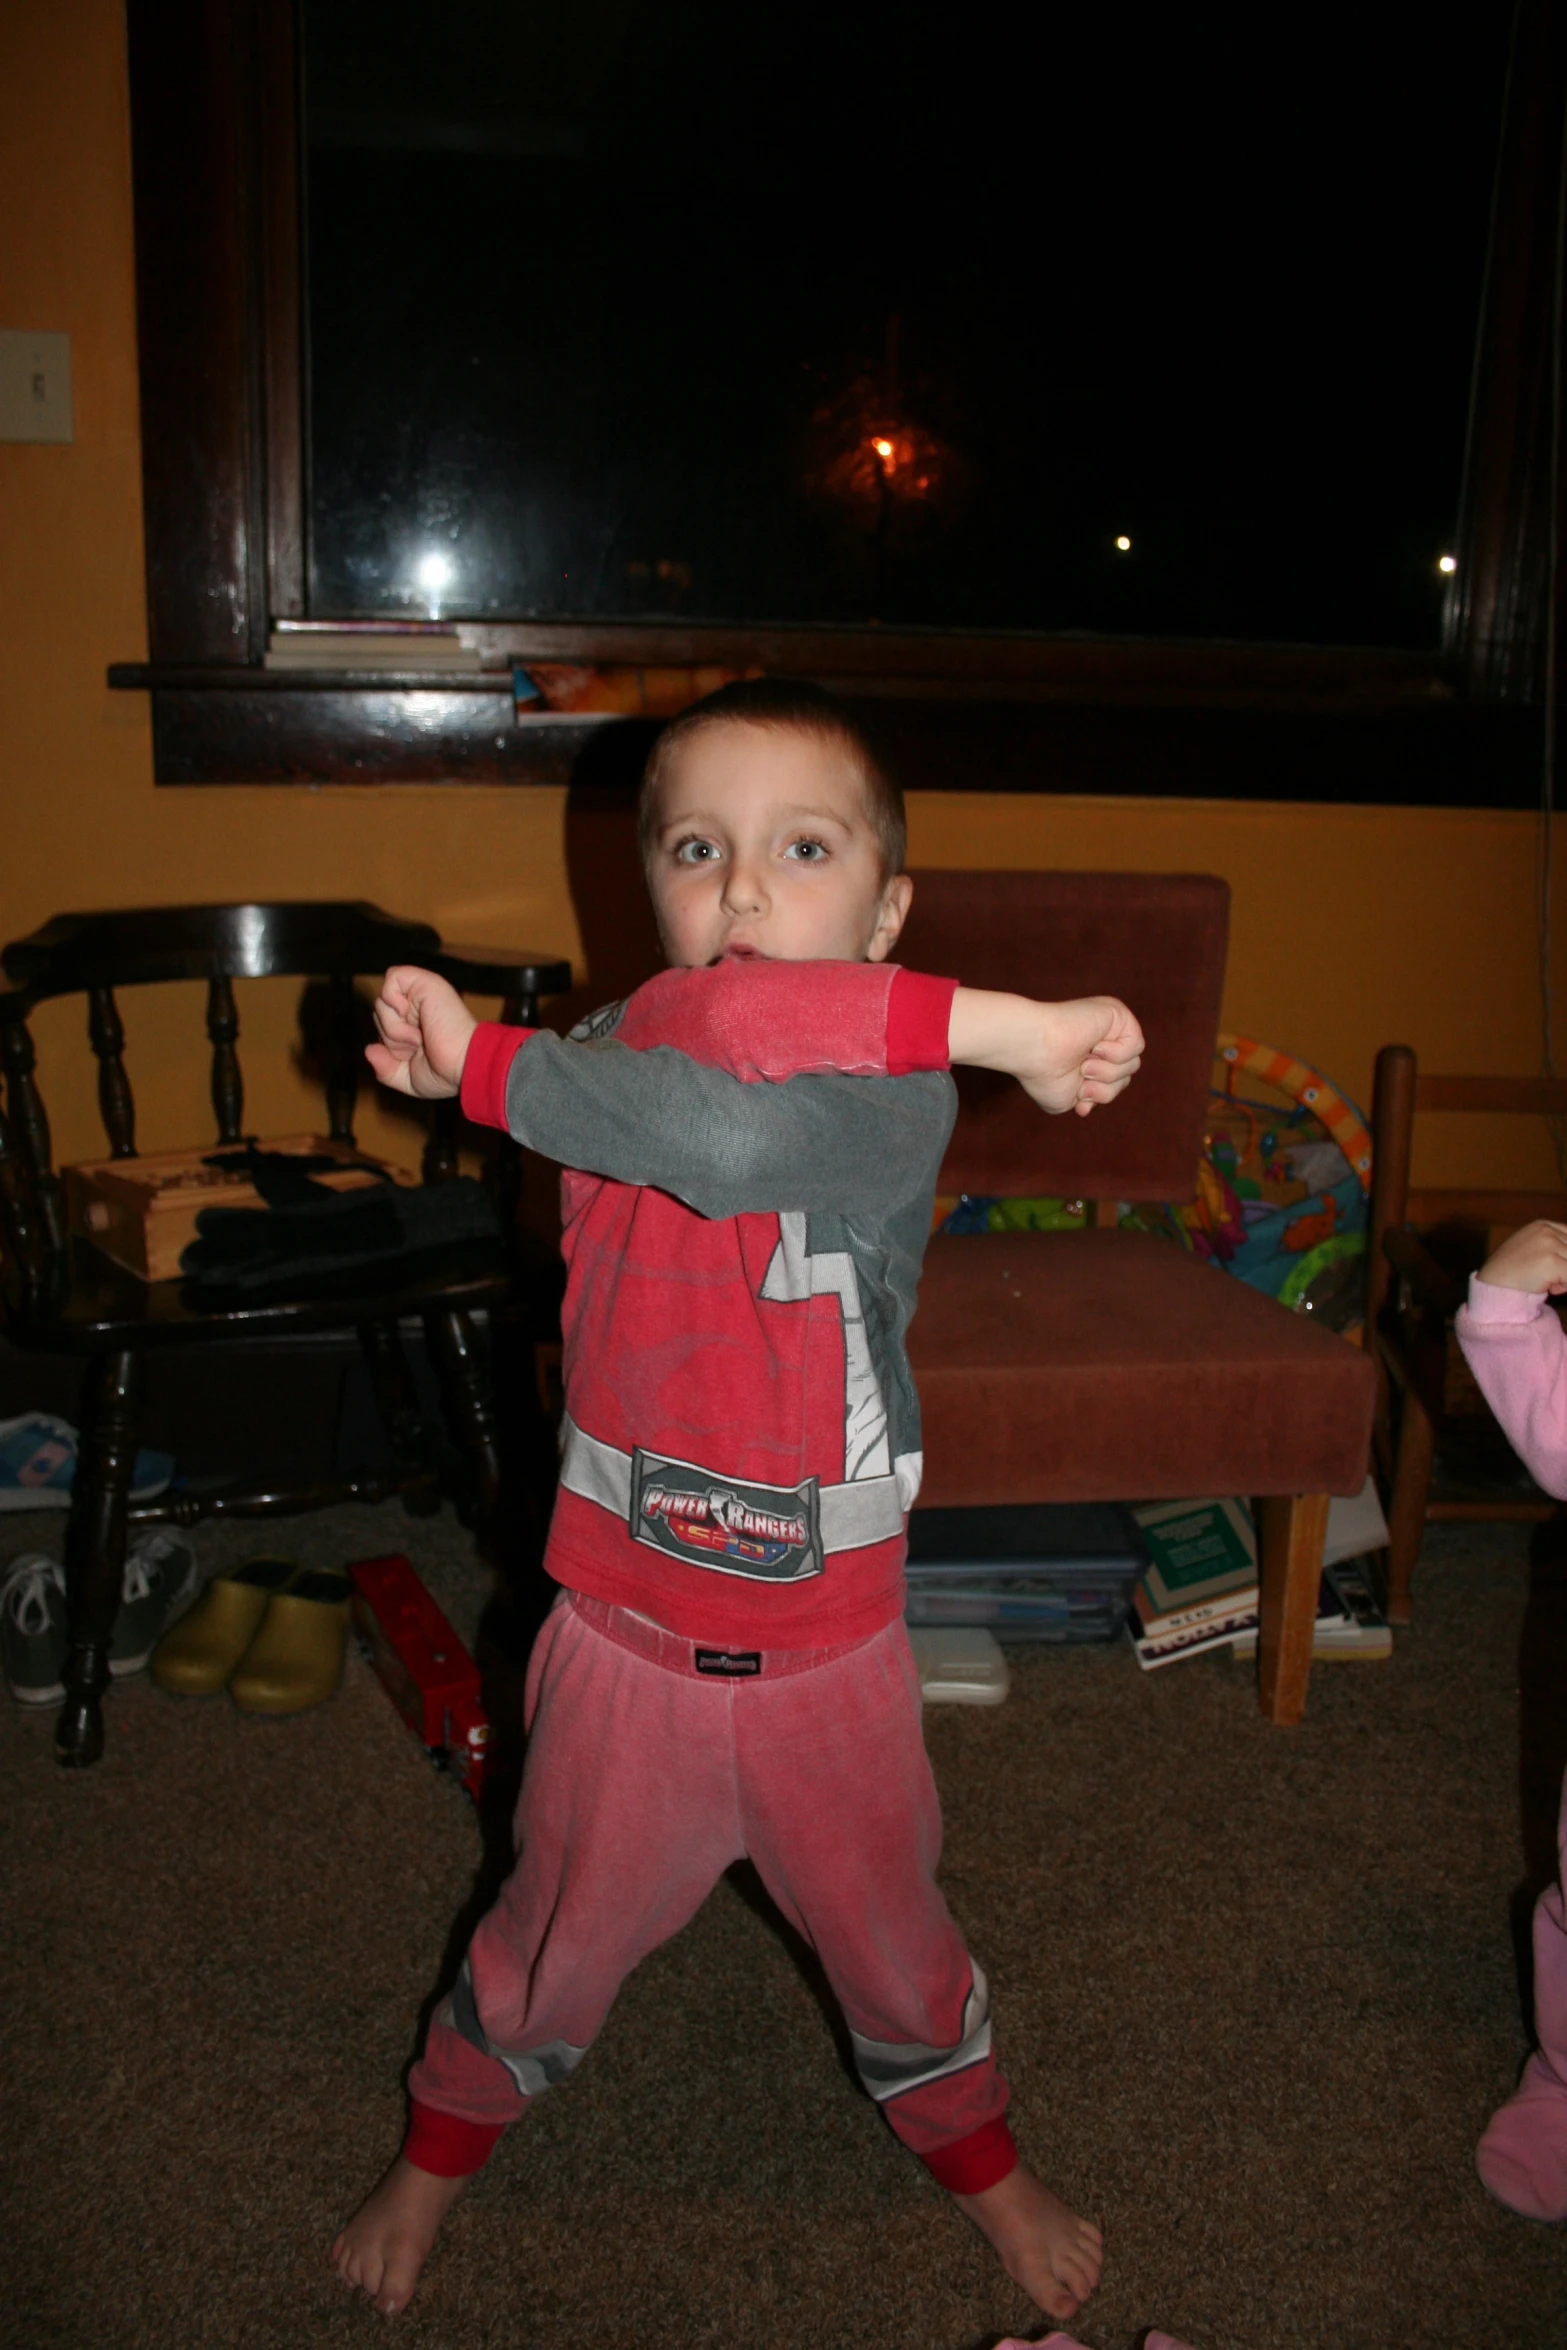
[142, 1212]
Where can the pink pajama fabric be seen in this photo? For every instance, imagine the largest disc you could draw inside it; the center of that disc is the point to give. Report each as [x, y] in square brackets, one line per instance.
[1522, 2156]
[645, 1780]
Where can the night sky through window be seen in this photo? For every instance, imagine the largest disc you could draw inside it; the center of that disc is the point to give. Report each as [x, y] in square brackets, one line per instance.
[1117, 320]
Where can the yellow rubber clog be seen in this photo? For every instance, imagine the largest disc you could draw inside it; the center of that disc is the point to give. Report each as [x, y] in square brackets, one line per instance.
[296, 1658]
[196, 1656]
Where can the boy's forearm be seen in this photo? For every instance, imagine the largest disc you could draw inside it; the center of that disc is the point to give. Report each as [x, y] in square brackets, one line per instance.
[987, 1030]
[1012, 1033]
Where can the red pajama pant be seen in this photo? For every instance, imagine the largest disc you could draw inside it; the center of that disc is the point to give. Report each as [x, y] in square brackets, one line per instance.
[646, 1777]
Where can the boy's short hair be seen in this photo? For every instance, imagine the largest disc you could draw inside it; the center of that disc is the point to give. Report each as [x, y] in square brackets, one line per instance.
[794, 705]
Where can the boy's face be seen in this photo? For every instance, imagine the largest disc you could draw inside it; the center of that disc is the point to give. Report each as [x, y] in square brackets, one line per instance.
[762, 846]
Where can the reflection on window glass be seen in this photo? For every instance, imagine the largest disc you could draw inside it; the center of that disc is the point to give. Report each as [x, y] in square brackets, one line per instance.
[1117, 320]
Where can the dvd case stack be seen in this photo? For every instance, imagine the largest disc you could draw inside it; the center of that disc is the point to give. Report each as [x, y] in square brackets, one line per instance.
[1057, 1571]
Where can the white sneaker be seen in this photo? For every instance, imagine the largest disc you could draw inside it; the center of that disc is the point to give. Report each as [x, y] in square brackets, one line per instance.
[161, 1580]
[32, 1629]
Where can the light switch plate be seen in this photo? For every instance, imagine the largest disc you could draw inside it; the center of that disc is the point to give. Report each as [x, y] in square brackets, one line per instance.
[35, 386]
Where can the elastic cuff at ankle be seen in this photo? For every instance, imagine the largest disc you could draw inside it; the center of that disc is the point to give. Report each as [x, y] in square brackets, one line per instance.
[447, 2145]
[969, 2165]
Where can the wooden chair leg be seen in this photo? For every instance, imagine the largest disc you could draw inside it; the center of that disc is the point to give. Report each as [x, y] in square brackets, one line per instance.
[398, 1401]
[1291, 1529]
[465, 1382]
[1406, 1517]
[95, 1549]
[1382, 1446]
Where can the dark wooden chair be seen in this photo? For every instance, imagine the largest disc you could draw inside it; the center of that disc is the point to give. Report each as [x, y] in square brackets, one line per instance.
[61, 1296]
[1105, 1365]
[1423, 1244]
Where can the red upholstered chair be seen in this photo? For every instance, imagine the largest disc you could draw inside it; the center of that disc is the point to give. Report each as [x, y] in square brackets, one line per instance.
[1106, 1365]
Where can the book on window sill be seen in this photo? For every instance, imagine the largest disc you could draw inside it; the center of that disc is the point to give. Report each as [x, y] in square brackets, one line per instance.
[412, 646]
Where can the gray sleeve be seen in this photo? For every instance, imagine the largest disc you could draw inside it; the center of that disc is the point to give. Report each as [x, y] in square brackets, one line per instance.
[859, 1145]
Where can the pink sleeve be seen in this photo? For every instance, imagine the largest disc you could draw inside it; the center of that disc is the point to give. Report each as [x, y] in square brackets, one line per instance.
[491, 1052]
[770, 1021]
[1517, 1350]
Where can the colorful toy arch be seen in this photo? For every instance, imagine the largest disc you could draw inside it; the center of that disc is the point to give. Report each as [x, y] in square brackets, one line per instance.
[1301, 1083]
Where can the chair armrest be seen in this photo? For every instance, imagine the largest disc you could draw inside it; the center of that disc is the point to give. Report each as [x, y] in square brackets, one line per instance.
[512, 973]
[1413, 1262]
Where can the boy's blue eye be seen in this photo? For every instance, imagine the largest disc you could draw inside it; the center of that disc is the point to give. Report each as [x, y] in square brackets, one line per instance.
[695, 852]
[809, 852]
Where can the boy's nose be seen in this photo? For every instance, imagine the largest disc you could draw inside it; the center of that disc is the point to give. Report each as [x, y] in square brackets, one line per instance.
[745, 890]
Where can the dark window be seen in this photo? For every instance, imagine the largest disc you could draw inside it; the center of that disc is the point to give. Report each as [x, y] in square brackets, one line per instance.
[793, 311]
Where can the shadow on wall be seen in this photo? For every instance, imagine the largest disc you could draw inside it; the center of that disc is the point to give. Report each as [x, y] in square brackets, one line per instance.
[604, 872]
[614, 918]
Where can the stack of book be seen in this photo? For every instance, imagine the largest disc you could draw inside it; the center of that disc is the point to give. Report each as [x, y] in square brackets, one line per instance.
[410, 646]
[1200, 1586]
[1048, 1571]
[1350, 1618]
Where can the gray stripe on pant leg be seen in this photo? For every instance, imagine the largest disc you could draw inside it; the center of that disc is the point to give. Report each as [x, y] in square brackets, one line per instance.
[536, 2069]
[462, 2015]
[533, 2069]
[887, 2068]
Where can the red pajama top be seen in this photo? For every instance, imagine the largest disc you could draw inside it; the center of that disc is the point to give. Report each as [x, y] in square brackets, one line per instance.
[751, 1153]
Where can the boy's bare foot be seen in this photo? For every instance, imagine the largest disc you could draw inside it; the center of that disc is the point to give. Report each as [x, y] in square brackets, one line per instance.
[1055, 2256]
[387, 2242]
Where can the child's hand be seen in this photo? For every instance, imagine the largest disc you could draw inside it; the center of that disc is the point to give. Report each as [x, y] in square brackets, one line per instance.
[1065, 1056]
[425, 1029]
[1534, 1258]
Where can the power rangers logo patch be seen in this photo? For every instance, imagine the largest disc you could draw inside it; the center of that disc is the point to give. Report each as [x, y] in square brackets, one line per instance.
[767, 1533]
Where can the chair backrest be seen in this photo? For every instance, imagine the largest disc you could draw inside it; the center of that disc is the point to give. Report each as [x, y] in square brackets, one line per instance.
[1158, 941]
[93, 954]
[142, 945]
[1403, 1090]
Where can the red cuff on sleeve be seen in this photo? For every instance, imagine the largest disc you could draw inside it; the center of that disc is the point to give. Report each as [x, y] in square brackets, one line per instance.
[919, 1010]
[446, 2145]
[491, 1052]
[971, 2164]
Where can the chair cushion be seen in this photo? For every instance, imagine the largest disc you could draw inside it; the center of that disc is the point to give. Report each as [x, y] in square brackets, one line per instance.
[1105, 1366]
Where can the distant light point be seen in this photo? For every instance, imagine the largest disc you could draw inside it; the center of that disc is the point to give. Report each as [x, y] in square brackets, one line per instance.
[1123, 545]
[882, 448]
[1447, 563]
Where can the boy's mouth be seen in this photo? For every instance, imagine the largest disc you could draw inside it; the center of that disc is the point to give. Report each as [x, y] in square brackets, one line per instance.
[739, 952]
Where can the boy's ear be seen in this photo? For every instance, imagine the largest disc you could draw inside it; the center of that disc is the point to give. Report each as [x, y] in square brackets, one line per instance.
[896, 900]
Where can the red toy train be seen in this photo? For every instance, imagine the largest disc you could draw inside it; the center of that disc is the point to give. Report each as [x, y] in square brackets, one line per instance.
[426, 1670]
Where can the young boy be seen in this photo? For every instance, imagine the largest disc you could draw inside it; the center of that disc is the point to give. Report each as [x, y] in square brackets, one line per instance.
[752, 1142]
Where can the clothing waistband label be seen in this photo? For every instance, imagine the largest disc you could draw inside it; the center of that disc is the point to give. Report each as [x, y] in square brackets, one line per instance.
[765, 1533]
[730, 1664]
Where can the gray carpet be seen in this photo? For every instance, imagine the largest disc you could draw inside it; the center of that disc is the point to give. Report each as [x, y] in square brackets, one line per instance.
[1256, 1993]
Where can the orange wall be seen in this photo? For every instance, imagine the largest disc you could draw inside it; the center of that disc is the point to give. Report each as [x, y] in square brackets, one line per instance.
[1351, 925]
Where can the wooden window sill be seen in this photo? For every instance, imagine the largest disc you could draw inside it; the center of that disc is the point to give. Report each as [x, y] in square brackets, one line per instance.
[992, 713]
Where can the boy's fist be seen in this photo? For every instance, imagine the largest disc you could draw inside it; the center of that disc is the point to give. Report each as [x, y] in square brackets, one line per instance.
[1065, 1056]
[1533, 1258]
[1092, 1050]
[425, 1028]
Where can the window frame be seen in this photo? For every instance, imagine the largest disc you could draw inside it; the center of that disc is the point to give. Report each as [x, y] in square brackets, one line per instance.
[220, 304]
